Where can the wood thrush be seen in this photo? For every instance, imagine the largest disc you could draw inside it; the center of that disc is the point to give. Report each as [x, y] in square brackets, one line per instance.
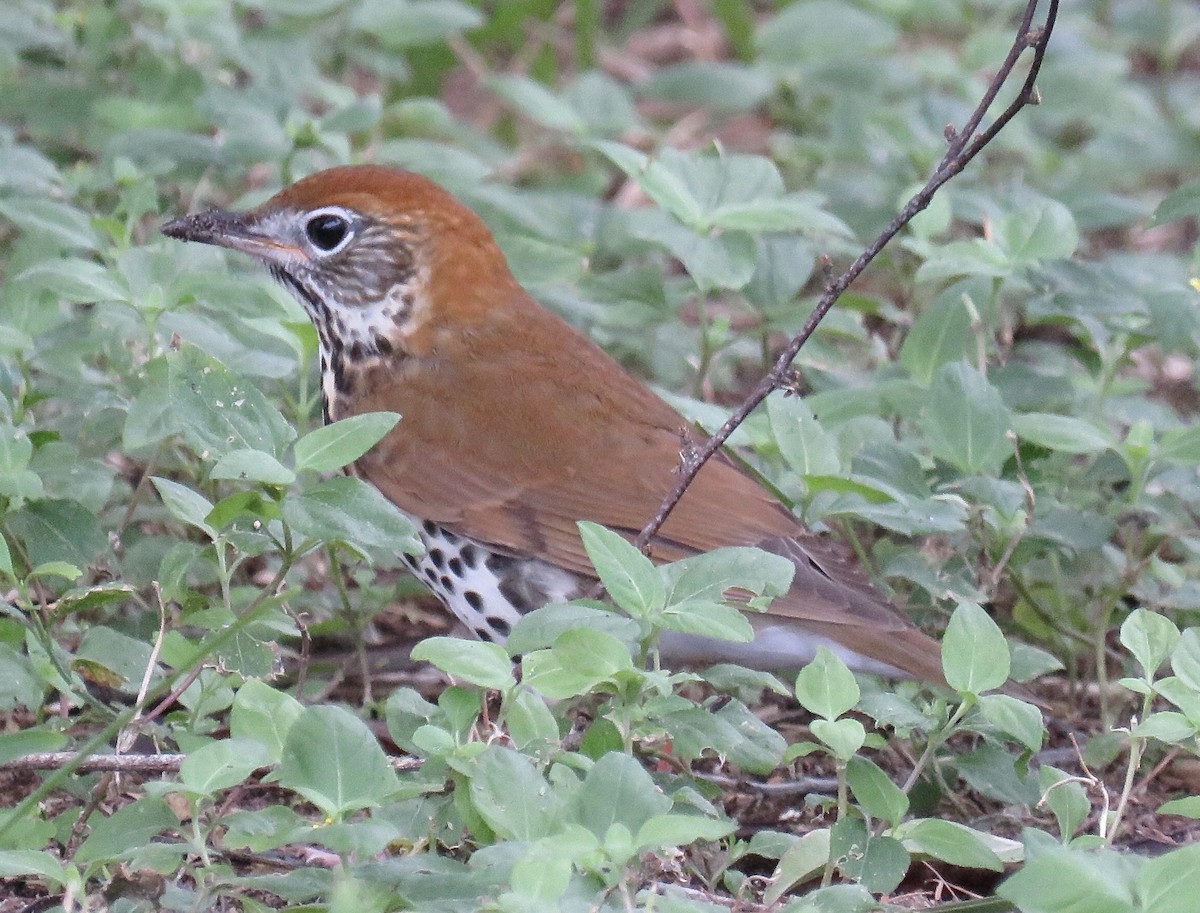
[515, 425]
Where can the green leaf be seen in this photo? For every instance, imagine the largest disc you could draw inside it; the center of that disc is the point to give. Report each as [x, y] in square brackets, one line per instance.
[826, 686]
[73, 281]
[630, 578]
[965, 420]
[59, 531]
[878, 862]
[511, 796]
[940, 335]
[341, 443]
[803, 860]
[217, 411]
[537, 102]
[415, 22]
[974, 651]
[220, 765]
[1150, 637]
[708, 577]
[1063, 433]
[1073, 880]
[670, 831]
[703, 618]
[875, 792]
[1185, 658]
[65, 224]
[618, 790]
[1170, 883]
[265, 715]
[592, 653]
[807, 447]
[1034, 233]
[951, 842]
[483, 664]
[530, 723]
[1066, 798]
[332, 759]
[349, 510]
[127, 830]
[252, 466]
[1017, 718]
[185, 505]
[18, 863]
[1181, 203]
[1188, 807]
[844, 737]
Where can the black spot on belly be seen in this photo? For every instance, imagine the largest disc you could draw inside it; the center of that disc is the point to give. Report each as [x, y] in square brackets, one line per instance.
[431, 573]
[438, 557]
[382, 345]
[498, 564]
[447, 583]
[470, 556]
[484, 634]
[430, 528]
[474, 600]
[502, 626]
[456, 567]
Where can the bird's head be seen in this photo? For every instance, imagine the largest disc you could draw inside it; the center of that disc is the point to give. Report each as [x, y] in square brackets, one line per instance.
[368, 251]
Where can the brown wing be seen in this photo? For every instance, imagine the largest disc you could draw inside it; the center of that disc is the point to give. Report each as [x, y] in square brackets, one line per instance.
[513, 441]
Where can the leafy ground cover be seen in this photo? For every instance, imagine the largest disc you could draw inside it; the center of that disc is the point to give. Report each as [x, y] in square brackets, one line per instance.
[999, 414]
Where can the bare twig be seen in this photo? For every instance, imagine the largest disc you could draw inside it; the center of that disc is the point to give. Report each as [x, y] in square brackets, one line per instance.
[964, 145]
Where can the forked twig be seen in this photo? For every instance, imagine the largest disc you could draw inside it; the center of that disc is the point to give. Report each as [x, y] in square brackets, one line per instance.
[964, 145]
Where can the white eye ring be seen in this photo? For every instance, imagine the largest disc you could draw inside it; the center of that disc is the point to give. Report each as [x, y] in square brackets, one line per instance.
[328, 230]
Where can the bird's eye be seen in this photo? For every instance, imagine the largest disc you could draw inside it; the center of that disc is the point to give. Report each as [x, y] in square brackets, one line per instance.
[326, 231]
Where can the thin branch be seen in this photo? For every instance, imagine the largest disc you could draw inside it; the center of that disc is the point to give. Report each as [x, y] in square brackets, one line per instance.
[964, 145]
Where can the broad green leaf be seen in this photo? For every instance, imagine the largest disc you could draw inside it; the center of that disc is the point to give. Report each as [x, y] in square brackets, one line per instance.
[531, 724]
[1073, 881]
[1179, 204]
[341, 443]
[251, 466]
[618, 790]
[844, 737]
[185, 505]
[60, 531]
[1150, 637]
[349, 510]
[807, 447]
[511, 796]
[592, 653]
[704, 618]
[1170, 883]
[222, 764]
[128, 830]
[65, 224]
[1042, 231]
[709, 577]
[16, 863]
[264, 714]
[940, 335]
[474, 661]
[332, 759]
[676, 830]
[826, 686]
[950, 842]
[415, 22]
[732, 731]
[1017, 718]
[974, 651]
[630, 578]
[1185, 658]
[217, 412]
[1064, 433]
[875, 792]
[805, 859]
[1066, 798]
[537, 102]
[74, 281]
[965, 420]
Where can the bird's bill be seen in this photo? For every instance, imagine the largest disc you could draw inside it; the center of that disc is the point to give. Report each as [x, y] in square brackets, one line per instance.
[233, 230]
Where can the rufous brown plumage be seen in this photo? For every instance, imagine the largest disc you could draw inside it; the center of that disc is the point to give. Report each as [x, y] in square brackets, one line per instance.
[515, 425]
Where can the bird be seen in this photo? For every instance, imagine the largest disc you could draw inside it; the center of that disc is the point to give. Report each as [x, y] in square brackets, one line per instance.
[515, 425]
